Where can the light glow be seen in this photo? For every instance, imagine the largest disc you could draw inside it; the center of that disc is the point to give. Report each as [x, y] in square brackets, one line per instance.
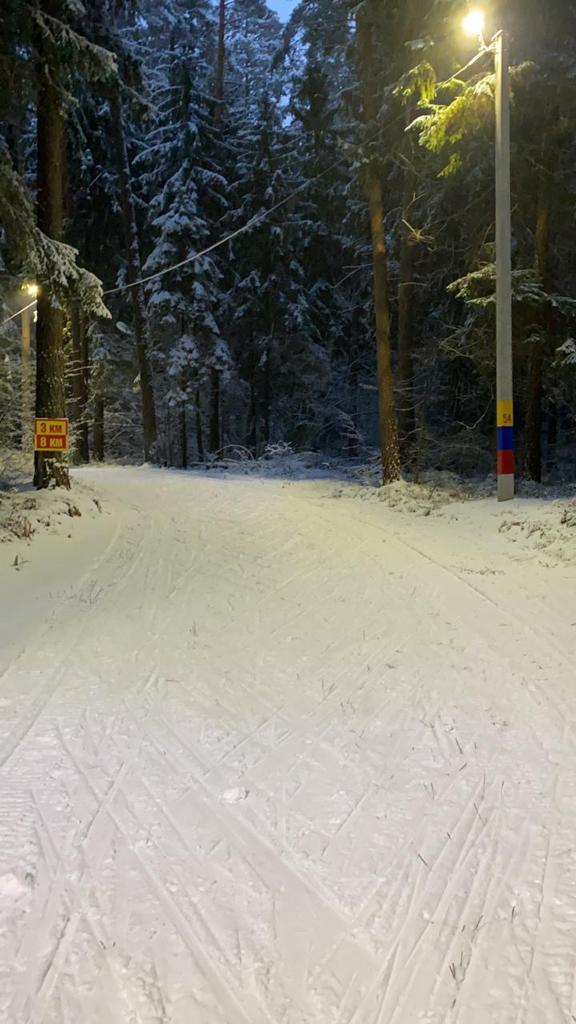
[474, 23]
[31, 289]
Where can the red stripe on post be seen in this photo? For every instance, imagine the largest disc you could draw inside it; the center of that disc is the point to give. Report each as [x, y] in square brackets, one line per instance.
[506, 463]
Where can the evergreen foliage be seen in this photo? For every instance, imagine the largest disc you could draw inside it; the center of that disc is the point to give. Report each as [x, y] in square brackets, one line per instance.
[264, 136]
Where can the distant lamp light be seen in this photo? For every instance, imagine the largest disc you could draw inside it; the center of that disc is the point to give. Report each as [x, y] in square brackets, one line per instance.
[32, 290]
[474, 23]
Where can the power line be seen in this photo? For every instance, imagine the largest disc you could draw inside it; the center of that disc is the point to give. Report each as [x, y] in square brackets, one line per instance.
[258, 219]
[261, 217]
[481, 53]
[20, 311]
[253, 222]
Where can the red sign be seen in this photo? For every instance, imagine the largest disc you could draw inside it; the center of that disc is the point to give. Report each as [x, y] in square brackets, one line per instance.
[51, 435]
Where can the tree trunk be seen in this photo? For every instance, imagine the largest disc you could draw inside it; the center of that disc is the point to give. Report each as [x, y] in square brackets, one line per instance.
[134, 273]
[215, 417]
[407, 422]
[50, 470]
[552, 439]
[26, 406]
[99, 436]
[352, 440]
[252, 438]
[220, 62]
[215, 386]
[533, 428]
[536, 353]
[388, 426]
[79, 371]
[199, 430]
[183, 436]
[267, 398]
[389, 447]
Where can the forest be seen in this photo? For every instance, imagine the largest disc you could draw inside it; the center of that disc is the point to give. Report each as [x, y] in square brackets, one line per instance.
[244, 234]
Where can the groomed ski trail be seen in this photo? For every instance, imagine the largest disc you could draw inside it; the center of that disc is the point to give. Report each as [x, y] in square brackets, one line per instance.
[269, 757]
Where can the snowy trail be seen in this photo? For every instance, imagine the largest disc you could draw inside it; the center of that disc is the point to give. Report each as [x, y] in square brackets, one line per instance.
[271, 758]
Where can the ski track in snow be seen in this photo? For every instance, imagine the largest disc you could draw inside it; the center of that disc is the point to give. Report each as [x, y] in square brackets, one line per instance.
[271, 761]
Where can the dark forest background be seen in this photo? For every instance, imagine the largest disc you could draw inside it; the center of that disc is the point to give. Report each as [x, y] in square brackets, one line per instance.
[170, 125]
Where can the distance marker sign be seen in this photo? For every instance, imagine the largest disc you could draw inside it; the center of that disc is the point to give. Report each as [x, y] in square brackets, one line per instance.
[51, 436]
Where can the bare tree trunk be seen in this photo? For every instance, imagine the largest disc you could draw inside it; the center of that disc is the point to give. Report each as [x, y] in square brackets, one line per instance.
[536, 354]
[99, 434]
[215, 431]
[79, 371]
[388, 426]
[183, 436]
[199, 430]
[134, 273]
[355, 343]
[552, 439]
[534, 396]
[267, 398]
[389, 447]
[253, 419]
[406, 295]
[220, 61]
[50, 470]
[215, 416]
[352, 441]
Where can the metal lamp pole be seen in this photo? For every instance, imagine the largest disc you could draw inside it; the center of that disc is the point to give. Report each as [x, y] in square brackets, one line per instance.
[26, 381]
[474, 25]
[504, 361]
[27, 315]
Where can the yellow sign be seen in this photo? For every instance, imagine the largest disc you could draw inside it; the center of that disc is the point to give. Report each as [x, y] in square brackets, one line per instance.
[51, 435]
[505, 414]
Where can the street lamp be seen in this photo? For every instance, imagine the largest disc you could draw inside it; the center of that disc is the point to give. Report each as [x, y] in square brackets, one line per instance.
[31, 289]
[474, 25]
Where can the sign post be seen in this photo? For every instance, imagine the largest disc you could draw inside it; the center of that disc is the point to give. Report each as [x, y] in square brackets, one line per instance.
[51, 436]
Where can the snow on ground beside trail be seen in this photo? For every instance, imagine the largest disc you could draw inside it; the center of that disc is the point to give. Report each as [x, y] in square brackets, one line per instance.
[273, 751]
[543, 519]
[546, 528]
[25, 513]
[538, 520]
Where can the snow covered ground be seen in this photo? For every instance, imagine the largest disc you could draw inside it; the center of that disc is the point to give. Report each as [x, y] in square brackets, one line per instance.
[274, 754]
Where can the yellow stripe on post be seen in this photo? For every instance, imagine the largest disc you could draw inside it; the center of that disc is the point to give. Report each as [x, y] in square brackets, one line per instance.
[505, 414]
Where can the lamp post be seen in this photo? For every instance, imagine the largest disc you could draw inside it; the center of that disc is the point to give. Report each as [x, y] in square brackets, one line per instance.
[26, 376]
[474, 25]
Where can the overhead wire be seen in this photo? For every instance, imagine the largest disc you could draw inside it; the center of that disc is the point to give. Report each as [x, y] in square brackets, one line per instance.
[253, 222]
[261, 217]
[19, 313]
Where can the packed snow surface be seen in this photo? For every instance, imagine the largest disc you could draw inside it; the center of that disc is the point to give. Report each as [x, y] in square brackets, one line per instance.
[271, 754]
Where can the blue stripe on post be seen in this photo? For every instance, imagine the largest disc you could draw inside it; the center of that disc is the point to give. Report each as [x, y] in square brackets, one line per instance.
[505, 439]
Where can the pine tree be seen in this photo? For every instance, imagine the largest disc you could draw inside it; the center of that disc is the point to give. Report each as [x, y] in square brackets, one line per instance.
[232, 123]
[181, 180]
[50, 35]
[367, 26]
[331, 207]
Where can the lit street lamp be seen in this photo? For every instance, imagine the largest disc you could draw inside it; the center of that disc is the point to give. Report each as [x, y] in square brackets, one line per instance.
[32, 290]
[474, 25]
